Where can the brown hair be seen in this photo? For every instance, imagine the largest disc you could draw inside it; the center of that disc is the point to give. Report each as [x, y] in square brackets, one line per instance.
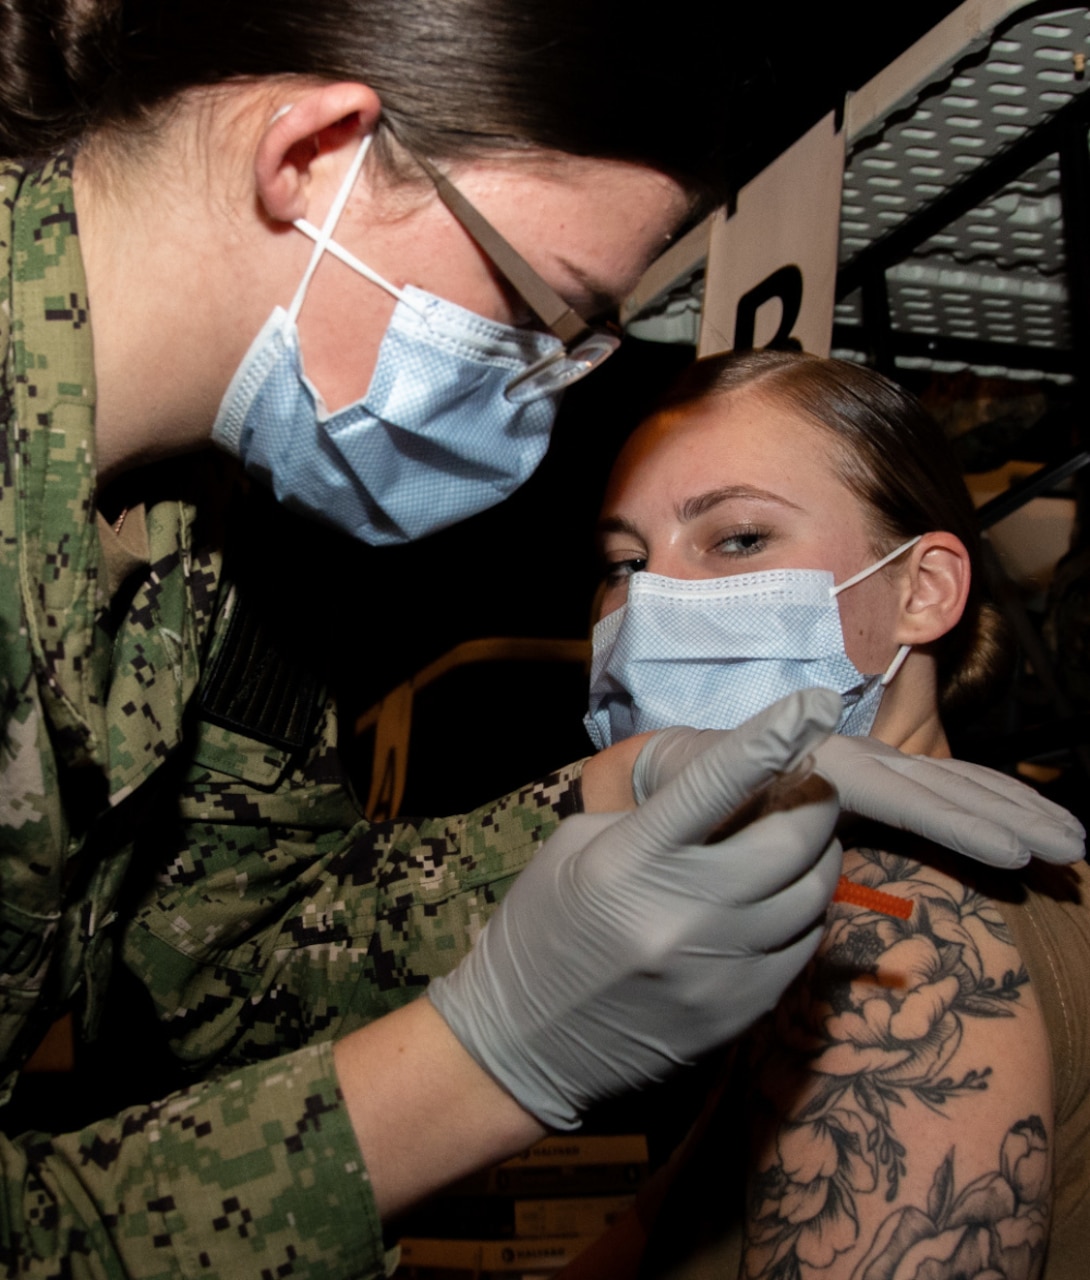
[894, 457]
[456, 78]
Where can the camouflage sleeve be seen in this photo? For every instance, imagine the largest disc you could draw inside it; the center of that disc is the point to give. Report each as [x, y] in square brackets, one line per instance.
[261, 936]
[255, 1175]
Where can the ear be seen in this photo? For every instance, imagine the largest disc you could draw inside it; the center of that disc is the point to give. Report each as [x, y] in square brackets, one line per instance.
[317, 122]
[935, 586]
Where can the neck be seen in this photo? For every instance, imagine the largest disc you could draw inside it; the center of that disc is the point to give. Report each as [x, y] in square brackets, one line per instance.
[908, 717]
[172, 293]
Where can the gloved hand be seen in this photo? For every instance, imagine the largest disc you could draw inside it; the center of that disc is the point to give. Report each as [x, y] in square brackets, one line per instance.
[630, 945]
[961, 806]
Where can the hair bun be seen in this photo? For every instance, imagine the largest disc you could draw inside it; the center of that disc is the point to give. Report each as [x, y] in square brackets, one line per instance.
[985, 664]
[51, 69]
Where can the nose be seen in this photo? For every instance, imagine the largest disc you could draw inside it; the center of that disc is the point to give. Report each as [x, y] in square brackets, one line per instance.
[676, 560]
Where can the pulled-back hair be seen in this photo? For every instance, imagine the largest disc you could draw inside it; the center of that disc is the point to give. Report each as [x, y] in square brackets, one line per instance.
[456, 78]
[894, 457]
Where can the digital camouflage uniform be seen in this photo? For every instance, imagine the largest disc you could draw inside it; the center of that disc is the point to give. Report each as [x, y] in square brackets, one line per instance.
[170, 795]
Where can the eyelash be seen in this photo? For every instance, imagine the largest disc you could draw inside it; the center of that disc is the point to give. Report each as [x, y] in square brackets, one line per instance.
[752, 538]
[615, 572]
[749, 540]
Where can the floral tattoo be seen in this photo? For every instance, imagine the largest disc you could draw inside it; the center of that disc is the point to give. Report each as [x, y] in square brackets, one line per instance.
[876, 1020]
[997, 1226]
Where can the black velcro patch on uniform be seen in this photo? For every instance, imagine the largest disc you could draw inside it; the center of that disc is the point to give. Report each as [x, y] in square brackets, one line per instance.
[256, 689]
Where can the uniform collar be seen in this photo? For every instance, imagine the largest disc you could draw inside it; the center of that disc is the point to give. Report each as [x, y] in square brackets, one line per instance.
[114, 688]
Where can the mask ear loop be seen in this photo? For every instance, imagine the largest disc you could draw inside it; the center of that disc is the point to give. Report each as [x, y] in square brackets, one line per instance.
[903, 652]
[324, 242]
[895, 666]
[873, 568]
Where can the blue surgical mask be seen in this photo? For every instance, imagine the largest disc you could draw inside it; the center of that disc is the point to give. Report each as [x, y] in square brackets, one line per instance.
[710, 653]
[436, 438]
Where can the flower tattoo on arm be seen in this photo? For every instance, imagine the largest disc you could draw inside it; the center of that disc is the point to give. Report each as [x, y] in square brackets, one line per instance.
[997, 1226]
[864, 1042]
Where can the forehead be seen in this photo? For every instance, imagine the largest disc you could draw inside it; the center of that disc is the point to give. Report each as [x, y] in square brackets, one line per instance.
[602, 222]
[742, 437]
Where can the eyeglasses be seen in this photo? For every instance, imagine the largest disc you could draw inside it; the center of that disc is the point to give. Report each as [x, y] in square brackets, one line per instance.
[585, 347]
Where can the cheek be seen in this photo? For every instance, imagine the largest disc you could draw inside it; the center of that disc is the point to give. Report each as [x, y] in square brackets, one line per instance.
[341, 326]
[868, 619]
[610, 599]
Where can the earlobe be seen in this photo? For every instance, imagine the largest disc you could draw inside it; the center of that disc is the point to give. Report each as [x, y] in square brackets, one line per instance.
[936, 587]
[315, 123]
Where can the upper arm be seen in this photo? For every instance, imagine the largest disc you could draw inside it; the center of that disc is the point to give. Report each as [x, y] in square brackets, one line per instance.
[904, 1099]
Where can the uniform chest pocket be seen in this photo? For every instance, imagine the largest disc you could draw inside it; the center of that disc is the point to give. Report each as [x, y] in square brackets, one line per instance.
[258, 702]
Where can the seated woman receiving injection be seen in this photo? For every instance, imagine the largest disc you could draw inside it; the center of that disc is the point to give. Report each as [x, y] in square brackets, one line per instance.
[918, 1106]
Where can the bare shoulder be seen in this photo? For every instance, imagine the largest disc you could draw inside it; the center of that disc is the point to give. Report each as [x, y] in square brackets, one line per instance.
[904, 1115]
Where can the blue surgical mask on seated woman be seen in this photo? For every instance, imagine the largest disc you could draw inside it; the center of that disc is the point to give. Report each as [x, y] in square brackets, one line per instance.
[712, 652]
[438, 435]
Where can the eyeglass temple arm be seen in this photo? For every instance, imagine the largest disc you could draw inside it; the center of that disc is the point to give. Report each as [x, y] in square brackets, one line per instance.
[547, 304]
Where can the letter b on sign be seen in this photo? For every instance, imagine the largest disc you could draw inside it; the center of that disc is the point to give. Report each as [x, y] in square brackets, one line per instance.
[784, 285]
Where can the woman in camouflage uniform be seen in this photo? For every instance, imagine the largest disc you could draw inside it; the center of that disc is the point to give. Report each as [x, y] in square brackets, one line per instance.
[169, 787]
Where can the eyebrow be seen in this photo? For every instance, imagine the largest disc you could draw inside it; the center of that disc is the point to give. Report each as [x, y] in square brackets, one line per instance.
[699, 504]
[618, 524]
[693, 508]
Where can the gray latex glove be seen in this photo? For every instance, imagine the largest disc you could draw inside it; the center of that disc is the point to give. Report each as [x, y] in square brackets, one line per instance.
[965, 807]
[629, 945]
